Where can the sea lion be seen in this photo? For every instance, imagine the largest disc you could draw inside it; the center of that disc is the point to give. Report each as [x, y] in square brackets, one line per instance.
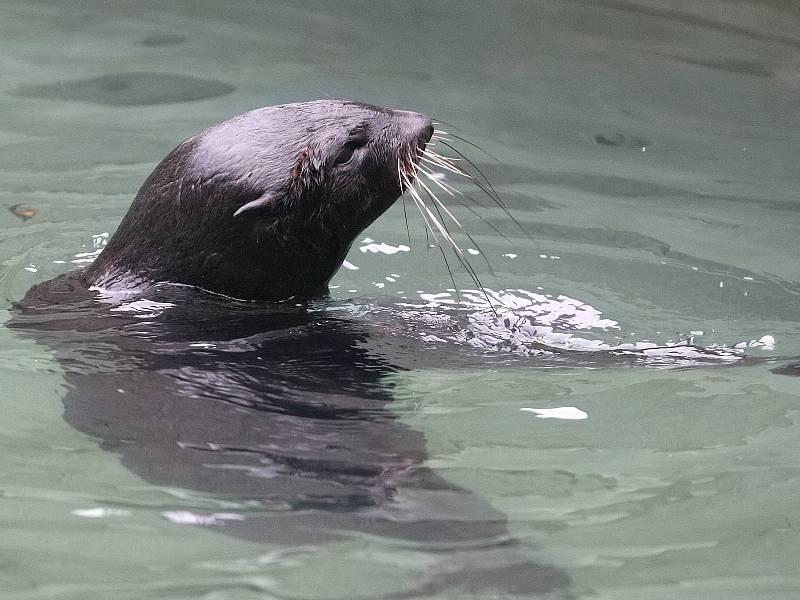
[278, 406]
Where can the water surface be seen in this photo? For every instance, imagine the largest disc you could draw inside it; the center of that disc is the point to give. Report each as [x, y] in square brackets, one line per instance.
[647, 147]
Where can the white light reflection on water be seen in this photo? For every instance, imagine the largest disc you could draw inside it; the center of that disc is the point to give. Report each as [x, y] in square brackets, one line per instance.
[567, 413]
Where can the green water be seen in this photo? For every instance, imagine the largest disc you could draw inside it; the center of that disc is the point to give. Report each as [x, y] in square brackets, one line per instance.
[648, 147]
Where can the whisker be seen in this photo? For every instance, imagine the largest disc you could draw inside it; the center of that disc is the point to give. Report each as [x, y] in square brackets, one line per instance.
[446, 160]
[458, 171]
[429, 230]
[441, 161]
[439, 202]
[460, 256]
[400, 174]
[474, 145]
[419, 203]
[480, 217]
[466, 233]
[489, 190]
[422, 171]
[442, 122]
[452, 192]
[433, 159]
[441, 166]
[441, 250]
[450, 271]
[405, 216]
[483, 176]
[442, 229]
[422, 206]
[432, 143]
[449, 189]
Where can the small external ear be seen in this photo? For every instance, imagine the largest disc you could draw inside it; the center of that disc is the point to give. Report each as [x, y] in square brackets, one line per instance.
[262, 200]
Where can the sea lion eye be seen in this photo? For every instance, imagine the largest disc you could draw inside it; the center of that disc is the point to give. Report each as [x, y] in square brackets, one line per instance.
[347, 152]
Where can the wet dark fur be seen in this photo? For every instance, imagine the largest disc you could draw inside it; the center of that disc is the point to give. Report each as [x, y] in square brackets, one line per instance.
[283, 408]
[181, 228]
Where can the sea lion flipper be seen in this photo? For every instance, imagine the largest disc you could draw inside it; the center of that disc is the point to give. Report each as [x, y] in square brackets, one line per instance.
[262, 200]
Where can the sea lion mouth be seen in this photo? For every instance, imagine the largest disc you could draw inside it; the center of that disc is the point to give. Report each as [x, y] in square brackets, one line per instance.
[409, 159]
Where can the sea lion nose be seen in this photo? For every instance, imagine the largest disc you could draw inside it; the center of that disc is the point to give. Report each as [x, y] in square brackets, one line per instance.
[424, 135]
[417, 125]
[426, 132]
[423, 130]
[423, 126]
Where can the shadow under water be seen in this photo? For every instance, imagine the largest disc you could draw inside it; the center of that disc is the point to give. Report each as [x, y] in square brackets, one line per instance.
[276, 406]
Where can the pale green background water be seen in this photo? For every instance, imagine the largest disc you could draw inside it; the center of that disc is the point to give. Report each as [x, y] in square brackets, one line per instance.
[679, 485]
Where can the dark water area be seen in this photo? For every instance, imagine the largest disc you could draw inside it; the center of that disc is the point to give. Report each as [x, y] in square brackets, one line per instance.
[614, 416]
[130, 89]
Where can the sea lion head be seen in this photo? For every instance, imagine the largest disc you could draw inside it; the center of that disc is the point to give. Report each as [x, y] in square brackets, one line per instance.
[265, 205]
